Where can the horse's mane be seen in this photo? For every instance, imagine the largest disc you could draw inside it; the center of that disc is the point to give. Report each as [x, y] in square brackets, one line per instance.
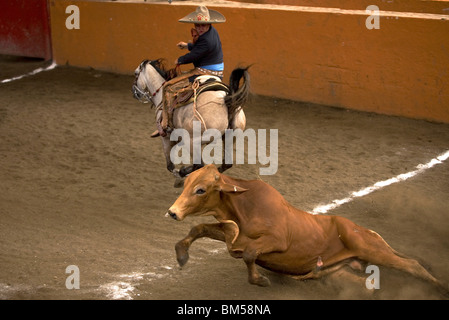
[160, 66]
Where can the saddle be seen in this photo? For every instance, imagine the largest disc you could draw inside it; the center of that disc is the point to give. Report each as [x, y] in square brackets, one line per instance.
[186, 92]
[182, 93]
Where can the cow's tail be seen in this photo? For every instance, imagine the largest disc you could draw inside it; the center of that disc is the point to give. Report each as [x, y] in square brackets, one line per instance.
[239, 85]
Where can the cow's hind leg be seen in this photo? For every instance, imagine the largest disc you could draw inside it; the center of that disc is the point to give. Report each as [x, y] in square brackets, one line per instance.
[319, 273]
[412, 266]
[370, 246]
[213, 231]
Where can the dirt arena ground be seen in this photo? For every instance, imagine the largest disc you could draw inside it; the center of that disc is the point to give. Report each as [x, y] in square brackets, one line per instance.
[82, 183]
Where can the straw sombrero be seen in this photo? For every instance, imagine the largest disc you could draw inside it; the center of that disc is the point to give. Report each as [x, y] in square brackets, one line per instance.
[202, 15]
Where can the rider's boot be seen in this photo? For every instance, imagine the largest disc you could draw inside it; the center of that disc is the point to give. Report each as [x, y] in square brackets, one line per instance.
[155, 134]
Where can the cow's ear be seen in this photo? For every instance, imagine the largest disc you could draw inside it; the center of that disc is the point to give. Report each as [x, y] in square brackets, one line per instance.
[226, 187]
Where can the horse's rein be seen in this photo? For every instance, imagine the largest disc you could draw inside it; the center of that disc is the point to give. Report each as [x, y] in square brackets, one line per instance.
[155, 92]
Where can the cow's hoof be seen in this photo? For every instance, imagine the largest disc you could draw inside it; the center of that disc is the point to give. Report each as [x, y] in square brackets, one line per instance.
[182, 254]
[261, 281]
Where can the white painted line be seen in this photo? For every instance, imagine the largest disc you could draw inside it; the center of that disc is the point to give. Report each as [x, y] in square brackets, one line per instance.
[118, 290]
[420, 168]
[123, 289]
[38, 70]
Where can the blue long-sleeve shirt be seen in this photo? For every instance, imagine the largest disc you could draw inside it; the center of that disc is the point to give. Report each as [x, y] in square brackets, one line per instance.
[206, 50]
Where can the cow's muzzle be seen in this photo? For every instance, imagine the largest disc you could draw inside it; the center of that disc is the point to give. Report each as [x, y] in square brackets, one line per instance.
[171, 214]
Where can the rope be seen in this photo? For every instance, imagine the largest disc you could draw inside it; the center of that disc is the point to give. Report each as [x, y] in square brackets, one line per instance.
[195, 86]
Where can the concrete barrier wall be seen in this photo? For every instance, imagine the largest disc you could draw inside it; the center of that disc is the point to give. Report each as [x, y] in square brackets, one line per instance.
[317, 55]
[25, 28]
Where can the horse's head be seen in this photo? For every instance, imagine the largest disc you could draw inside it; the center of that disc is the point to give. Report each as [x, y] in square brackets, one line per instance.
[140, 88]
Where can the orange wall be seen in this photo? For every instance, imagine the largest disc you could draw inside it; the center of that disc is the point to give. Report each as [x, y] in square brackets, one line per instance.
[429, 6]
[321, 57]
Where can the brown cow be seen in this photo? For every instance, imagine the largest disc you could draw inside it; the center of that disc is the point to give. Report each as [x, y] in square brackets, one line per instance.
[261, 227]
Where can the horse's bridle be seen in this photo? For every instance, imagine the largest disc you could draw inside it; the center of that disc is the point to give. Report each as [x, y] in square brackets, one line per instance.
[144, 93]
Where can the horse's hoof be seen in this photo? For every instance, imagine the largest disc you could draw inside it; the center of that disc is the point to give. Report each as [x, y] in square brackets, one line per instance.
[179, 183]
[176, 173]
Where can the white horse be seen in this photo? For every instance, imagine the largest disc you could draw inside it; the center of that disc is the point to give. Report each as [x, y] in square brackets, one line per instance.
[215, 109]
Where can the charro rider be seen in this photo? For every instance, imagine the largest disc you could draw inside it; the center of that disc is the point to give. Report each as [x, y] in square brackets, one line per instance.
[205, 53]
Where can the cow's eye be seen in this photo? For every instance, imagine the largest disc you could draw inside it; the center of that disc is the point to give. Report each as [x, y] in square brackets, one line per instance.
[200, 191]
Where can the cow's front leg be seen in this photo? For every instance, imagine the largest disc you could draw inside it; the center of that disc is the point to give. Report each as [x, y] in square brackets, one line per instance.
[254, 249]
[213, 231]
[254, 277]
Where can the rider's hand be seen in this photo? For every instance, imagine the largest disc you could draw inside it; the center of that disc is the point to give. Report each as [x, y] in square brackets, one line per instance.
[182, 45]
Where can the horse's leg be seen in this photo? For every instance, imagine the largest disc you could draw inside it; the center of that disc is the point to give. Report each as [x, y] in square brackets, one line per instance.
[237, 122]
[195, 150]
[185, 171]
[213, 231]
[224, 164]
[167, 146]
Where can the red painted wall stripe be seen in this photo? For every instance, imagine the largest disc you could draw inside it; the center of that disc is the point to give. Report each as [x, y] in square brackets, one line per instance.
[25, 28]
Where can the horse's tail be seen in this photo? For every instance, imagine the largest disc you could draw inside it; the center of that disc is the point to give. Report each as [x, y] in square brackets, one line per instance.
[239, 93]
